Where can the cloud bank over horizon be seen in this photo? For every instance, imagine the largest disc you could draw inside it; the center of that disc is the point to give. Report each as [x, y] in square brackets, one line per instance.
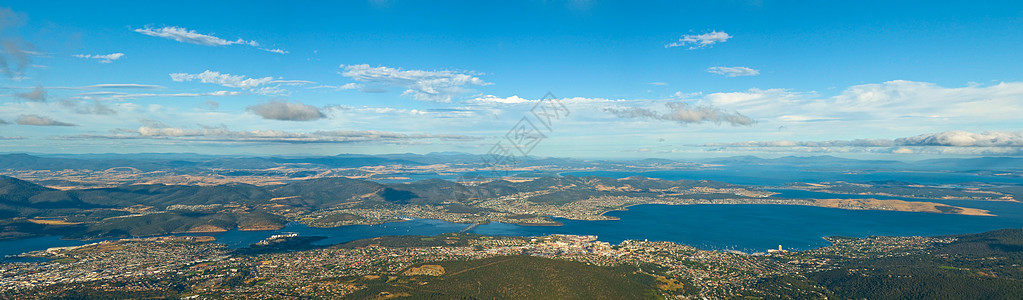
[947, 142]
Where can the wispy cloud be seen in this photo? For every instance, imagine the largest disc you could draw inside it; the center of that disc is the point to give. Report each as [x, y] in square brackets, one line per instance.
[106, 95]
[293, 82]
[787, 143]
[157, 130]
[346, 86]
[581, 102]
[109, 86]
[286, 111]
[192, 37]
[87, 108]
[37, 120]
[374, 114]
[37, 94]
[684, 113]
[265, 85]
[123, 86]
[274, 50]
[947, 142]
[885, 102]
[658, 83]
[16, 54]
[228, 80]
[103, 59]
[436, 86]
[210, 105]
[698, 41]
[734, 71]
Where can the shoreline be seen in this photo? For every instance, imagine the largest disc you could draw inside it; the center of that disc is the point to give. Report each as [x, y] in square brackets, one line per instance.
[213, 239]
[966, 211]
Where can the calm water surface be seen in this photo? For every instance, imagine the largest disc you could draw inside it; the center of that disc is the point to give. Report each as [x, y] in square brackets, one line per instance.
[746, 227]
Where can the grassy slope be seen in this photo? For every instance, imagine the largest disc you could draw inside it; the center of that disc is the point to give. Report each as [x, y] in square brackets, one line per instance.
[519, 277]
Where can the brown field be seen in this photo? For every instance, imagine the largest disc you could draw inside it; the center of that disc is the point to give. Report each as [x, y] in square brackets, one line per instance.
[899, 205]
[53, 222]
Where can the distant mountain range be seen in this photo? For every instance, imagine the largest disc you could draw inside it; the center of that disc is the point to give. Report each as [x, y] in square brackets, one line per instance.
[151, 162]
[827, 161]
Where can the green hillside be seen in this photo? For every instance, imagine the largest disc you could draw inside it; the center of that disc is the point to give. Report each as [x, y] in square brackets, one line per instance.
[518, 277]
[974, 266]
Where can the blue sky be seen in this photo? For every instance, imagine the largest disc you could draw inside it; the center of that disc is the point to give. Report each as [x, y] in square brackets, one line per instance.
[673, 79]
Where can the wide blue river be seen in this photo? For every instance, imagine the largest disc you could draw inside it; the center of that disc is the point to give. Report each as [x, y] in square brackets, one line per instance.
[747, 228]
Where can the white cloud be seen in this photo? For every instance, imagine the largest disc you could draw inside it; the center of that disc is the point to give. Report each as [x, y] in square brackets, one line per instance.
[507, 100]
[217, 93]
[275, 50]
[786, 143]
[382, 114]
[255, 85]
[658, 83]
[103, 59]
[901, 98]
[122, 96]
[683, 95]
[947, 142]
[698, 41]
[437, 86]
[190, 36]
[346, 86]
[293, 82]
[891, 102]
[109, 86]
[156, 130]
[515, 99]
[959, 138]
[228, 80]
[733, 71]
[121, 86]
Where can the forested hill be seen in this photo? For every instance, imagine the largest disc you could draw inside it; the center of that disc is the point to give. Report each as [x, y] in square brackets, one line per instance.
[30, 209]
